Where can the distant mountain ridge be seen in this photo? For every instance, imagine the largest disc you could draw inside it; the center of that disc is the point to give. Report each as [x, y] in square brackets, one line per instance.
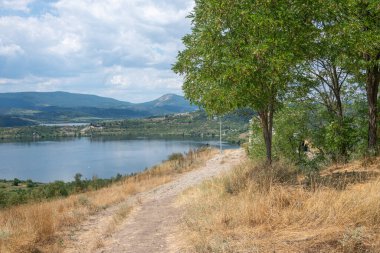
[50, 107]
[170, 103]
[58, 99]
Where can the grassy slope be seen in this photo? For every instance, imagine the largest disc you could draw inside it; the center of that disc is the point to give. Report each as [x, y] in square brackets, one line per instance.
[252, 210]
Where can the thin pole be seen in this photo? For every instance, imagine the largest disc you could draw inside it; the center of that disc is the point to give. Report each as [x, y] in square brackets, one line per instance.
[220, 134]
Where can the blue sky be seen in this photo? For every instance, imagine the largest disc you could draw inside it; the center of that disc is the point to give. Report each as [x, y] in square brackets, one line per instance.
[116, 48]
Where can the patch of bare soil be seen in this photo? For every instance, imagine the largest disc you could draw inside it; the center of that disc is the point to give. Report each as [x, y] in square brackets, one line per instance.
[146, 222]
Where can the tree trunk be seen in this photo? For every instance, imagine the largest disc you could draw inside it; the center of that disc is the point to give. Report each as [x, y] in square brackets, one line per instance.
[336, 85]
[266, 119]
[372, 87]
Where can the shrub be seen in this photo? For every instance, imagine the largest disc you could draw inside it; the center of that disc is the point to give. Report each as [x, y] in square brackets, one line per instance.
[30, 183]
[16, 182]
[175, 157]
[261, 174]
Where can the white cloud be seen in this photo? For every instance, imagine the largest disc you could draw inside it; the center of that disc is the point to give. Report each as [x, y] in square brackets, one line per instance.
[103, 46]
[71, 43]
[10, 50]
[142, 78]
[19, 5]
[5, 81]
[120, 81]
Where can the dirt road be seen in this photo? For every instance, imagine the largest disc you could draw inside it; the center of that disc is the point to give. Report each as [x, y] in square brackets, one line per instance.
[152, 223]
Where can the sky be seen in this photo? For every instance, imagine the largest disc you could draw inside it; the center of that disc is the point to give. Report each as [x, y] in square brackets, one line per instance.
[122, 49]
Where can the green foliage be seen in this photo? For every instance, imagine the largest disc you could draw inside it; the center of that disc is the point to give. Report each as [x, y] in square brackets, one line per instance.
[56, 189]
[300, 122]
[16, 182]
[30, 183]
[252, 53]
[243, 54]
[78, 181]
[256, 142]
[29, 191]
[237, 54]
[292, 129]
[175, 157]
[338, 135]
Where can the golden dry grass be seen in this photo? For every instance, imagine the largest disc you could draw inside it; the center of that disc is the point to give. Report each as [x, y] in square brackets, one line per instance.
[251, 211]
[118, 217]
[370, 164]
[37, 227]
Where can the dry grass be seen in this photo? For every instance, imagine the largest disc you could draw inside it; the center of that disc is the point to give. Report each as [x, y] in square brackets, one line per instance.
[118, 217]
[368, 165]
[37, 227]
[256, 210]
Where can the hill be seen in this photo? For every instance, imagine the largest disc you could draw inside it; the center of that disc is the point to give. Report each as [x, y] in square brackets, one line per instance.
[58, 99]
[56, 107]
[169, 103]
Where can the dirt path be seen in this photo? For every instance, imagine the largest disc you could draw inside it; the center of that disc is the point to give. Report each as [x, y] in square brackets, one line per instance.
[150, 227]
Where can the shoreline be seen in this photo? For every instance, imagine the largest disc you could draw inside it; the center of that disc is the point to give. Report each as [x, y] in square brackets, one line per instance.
[23, 191]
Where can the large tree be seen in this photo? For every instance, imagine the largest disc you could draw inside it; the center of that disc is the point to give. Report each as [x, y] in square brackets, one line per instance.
[322, 81]
[240, 53]
[355, 26]
[365, 20]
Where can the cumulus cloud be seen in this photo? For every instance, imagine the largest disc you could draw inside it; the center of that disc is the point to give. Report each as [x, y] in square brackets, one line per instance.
[70, 44]
[18, 5]
[106, 47]
[10, 50]
[147, 78]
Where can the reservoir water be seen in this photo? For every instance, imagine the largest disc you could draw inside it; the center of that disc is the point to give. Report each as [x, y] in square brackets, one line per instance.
[47, 161]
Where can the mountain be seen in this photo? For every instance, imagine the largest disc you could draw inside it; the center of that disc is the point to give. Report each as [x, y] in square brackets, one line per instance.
[58, 99]
[169, 103]
[53, 107]
[6, 121]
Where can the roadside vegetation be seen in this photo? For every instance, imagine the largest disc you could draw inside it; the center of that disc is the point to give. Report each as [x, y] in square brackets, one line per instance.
[41, 226]
[282, 209]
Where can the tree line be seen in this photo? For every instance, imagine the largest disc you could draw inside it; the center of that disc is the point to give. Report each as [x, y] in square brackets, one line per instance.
[310, 69]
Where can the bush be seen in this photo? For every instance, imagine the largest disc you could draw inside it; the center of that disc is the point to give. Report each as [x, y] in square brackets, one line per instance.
[30, 183]
[175, 157]
[16, 182]
[3, 198]
[56, 189]
[260, 174]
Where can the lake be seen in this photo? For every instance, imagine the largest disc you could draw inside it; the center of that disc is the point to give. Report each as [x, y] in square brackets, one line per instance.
[47, 161]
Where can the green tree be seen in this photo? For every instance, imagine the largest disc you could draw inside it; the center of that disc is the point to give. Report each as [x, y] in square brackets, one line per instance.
[346, 46]
[240, 53]
[325, 83]
[355, 26]
[16, 182]
[364, 21]
[78, 181]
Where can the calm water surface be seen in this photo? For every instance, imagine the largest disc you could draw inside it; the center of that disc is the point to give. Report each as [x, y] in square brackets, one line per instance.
[46, 161]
